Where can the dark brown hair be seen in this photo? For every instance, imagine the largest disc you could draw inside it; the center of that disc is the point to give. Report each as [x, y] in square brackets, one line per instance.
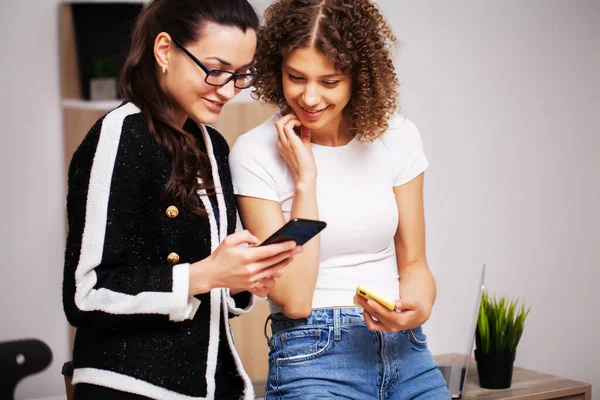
[353, 35]
[183, 20]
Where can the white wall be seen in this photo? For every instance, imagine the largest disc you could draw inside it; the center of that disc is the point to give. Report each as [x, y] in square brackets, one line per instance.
[32, 238]
[505, 94]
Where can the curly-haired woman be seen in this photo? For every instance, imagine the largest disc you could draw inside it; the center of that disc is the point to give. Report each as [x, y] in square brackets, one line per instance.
[327, 65]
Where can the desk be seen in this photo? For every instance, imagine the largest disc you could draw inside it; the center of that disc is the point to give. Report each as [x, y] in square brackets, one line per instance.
[526, 385]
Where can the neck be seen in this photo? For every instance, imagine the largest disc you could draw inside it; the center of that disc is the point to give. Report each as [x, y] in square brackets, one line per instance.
[179, 118]
[334, 134]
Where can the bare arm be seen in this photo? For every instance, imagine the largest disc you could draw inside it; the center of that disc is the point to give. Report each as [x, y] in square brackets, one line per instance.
[417, 285]
[416, 281]
[292, 292]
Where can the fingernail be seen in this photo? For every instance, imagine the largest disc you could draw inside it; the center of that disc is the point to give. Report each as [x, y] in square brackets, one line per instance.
[299, 249]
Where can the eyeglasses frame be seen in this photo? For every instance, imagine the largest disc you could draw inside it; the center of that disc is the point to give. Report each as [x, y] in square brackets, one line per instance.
[208, 71]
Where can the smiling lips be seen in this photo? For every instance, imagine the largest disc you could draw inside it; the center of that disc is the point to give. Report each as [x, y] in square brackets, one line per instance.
[313, 114]
[214, 105]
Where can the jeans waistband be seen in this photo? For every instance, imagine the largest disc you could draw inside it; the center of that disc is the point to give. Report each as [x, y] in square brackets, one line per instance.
[336, 317]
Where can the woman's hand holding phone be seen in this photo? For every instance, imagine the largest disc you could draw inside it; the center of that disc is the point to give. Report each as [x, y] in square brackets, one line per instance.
[253, 268]
[407, 314]
[296, 150]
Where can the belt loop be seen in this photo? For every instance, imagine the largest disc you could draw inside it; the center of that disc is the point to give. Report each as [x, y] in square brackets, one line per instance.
[337, 324]
[265, 328]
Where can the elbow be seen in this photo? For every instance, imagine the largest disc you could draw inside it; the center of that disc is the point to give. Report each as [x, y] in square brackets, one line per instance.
[74, 319]
[70, 311]
[297, 311]
[74, 316]
[294, 305]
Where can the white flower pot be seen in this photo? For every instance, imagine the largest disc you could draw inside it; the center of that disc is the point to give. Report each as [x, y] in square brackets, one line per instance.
[103, 88]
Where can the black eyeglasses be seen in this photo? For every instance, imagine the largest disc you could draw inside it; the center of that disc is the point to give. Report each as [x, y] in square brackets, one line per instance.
[218, 77]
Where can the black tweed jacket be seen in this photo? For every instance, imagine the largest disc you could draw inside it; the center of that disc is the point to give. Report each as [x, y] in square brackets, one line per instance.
[126, 272]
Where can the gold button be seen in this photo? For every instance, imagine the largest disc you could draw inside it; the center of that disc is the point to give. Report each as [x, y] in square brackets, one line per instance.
[173, 258]
[172, 212]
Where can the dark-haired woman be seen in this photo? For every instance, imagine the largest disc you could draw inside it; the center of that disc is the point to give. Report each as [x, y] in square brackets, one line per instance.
[153, 268]
[327, 65]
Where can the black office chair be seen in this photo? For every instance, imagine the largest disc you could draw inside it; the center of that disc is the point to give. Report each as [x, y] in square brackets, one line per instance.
[18, 359]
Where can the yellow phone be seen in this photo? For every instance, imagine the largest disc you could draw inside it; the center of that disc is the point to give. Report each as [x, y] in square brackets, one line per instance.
[368, 294]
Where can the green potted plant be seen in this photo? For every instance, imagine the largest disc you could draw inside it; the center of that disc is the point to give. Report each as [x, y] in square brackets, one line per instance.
[103, 82]
[499, 328]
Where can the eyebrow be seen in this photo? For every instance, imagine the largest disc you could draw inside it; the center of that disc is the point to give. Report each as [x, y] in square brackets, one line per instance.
[323, 76]
[228, 64]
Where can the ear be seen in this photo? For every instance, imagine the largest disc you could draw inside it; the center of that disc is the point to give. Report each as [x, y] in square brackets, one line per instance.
[162, 50]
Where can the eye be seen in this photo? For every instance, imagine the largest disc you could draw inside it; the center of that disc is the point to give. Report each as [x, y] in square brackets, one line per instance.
[331, 84]
[295, 78]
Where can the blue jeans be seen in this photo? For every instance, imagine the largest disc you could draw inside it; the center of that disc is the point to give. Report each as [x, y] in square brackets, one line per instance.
[332, 354]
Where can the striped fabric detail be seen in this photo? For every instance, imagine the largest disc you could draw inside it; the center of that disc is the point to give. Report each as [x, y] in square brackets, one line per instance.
[127, 384]
[218, 295]
[176, 303]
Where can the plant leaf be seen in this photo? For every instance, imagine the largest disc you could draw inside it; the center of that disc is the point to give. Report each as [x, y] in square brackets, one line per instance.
[500, 324]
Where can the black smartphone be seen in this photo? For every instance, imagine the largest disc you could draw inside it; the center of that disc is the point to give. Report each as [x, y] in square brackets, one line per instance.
[297, 229]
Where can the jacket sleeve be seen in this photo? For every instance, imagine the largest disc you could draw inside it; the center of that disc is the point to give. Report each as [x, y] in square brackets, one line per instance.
[239, 304]
[105, 203]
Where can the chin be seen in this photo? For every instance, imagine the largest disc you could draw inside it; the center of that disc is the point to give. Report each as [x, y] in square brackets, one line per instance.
[314, 125]
[205, 117]
[311, 124]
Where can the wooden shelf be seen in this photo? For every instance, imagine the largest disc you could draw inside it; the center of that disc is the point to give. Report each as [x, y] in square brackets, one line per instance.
[99, 105]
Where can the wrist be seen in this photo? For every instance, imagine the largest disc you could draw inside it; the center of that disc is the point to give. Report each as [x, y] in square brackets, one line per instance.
[201, 277]
[309, 186]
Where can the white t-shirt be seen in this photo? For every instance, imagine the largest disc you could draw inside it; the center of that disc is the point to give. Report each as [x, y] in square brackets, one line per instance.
[355, 198]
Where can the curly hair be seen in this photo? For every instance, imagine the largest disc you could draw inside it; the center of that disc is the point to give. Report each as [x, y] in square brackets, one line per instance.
[353, 35]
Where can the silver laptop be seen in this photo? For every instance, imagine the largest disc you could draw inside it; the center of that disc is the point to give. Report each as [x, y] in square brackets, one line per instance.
[456, 374]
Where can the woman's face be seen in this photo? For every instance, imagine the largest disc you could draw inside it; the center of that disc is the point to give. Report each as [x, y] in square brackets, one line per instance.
[219, 47]
[316, 91]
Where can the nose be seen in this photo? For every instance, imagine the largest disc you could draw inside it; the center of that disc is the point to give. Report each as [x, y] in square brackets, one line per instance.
[311, 96]
[227, 91]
